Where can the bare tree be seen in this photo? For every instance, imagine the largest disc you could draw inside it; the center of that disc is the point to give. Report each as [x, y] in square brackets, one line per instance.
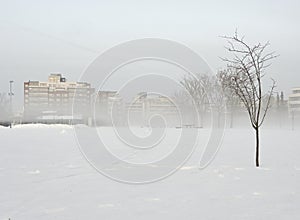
[246, 68]
[184, 102]
[3, 107]
[181, 97]
[231, 100]
[197, 88]
[216, 97]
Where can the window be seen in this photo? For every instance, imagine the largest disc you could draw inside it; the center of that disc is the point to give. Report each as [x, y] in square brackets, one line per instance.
[294, 98]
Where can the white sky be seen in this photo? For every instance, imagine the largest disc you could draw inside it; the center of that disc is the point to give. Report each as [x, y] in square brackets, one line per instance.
[39, 37]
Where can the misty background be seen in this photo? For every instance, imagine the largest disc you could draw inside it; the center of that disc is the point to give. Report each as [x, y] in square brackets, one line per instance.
[39, 37]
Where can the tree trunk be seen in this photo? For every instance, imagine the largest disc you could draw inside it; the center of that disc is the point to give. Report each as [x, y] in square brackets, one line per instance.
[257, 147]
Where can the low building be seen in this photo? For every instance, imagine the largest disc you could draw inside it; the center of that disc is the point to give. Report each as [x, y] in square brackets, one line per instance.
[56, 96]
[109, 108]
[146, 105]
[294, 102]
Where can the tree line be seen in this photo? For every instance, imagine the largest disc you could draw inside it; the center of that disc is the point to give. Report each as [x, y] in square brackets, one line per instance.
[239, 83]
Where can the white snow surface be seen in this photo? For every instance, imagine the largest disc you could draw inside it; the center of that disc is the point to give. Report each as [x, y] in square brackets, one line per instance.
[43, 175]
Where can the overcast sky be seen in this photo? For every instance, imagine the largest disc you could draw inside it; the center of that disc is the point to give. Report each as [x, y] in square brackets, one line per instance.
[39, 37]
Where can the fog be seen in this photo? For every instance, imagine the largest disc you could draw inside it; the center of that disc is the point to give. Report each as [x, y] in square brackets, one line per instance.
[126, 110]
[38, 38]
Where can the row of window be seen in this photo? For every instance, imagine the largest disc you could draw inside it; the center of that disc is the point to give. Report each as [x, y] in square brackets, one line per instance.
[294, 98]
[294, 105]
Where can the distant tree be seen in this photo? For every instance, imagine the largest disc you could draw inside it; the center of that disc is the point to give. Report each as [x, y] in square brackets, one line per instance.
[216, 97]
[232, 101]
[281, 108]
[197, 88]
[4, 103]
[181, 98]
[245, 70]
[184, 102]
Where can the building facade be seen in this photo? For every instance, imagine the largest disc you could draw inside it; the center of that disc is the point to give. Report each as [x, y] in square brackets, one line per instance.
[108, 108]
[294, 102]
[54, 99]
[146, 105]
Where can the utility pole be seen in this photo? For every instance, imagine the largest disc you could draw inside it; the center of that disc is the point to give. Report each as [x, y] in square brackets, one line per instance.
[10, 101]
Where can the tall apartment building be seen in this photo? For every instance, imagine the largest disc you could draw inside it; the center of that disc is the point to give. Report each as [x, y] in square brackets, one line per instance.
[294, 101]
[55, 98]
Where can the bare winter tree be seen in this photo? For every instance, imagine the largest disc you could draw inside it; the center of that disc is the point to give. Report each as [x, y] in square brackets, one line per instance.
[182, 98]
[231, 99]
[185, 103]
[3, 108]
[196, 87]
[216, 97]
[246, 68]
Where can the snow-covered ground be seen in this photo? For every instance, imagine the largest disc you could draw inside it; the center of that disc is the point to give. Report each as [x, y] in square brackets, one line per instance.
[43, 175]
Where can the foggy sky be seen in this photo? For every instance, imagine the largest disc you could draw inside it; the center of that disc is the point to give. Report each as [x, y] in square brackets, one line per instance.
[40, 37]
